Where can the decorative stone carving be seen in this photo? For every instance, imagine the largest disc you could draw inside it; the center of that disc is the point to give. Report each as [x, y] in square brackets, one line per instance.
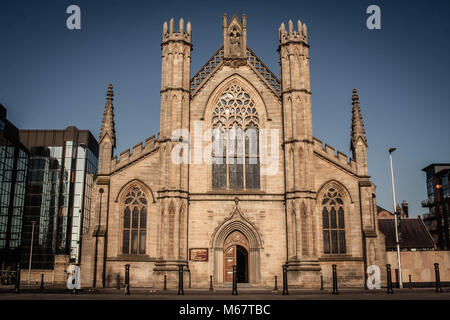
[234, 37]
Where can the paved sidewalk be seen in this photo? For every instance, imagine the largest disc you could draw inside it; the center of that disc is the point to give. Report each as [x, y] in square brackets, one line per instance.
[61, 293]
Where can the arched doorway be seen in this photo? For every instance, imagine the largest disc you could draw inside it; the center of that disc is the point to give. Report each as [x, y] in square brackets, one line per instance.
[236, 230]
[236, 252]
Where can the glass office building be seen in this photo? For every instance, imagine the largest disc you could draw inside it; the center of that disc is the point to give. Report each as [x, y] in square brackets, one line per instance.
[13, 173]
[438, 202]
[61, 170]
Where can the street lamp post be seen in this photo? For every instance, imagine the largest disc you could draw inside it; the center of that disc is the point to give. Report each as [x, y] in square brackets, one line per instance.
[33, 223]
[400, 281]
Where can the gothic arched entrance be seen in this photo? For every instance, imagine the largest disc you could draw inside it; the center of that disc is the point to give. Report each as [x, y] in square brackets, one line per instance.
[236, 252]
[238, 240]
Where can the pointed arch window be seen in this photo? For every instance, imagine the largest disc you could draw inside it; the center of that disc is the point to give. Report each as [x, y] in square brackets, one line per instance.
[333, 223]
[134, 222]
[235, 155]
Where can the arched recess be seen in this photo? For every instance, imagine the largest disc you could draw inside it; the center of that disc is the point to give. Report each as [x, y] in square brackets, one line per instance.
[301, 175]
[236, 222]
[372, 256]
[347, 207]
[131, 183]
[143, 229]
[292, 231]
[260, 125]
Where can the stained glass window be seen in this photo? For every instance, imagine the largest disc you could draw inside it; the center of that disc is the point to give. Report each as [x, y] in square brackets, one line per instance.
[333, 223]
[235, 152]
[134, 222]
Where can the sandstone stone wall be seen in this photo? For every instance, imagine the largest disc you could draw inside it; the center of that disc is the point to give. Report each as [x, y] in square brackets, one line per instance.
[420, 265]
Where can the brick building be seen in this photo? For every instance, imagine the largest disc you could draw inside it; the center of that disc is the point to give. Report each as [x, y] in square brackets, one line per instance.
[438, 202]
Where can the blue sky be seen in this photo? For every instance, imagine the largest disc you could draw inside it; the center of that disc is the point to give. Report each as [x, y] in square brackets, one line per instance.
[51, 77]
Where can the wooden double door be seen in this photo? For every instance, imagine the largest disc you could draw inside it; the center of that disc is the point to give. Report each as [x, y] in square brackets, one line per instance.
[236, 252]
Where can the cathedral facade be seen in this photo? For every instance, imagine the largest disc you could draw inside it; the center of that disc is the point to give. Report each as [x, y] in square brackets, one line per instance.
[235, 177]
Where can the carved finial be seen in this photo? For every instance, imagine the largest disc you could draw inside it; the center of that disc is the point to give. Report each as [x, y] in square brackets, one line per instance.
[236, 201]
[110, 93]
[164, 27]
[225, 20]
[305, 33]
[244, 20]
[181, 25]
[188, 28]
[299, 26]
[171, 26]
[355, 96]
[291, 26]
[281, 31]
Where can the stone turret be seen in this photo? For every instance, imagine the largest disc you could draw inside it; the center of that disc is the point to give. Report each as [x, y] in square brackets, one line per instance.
[298, 143]
[358, 140]
[176, 69]
[173, 192]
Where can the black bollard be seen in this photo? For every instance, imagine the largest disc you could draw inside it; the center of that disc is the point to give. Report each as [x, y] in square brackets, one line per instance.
[276, 284]
[165, 283]
[180, 280]
[410, 282]
[335, 281]
[126, 291]
[321, 282]
[438, 278]
[42, 282]
[118, 282]
[17, 286]
[389, 279]
[210, 284]
[234, 292]
[285, 281]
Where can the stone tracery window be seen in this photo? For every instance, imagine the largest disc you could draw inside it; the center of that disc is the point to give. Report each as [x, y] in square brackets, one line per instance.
[333, 223]
[134, 222]
[235, 124]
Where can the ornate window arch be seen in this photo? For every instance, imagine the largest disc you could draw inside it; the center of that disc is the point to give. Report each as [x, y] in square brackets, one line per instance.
[235, 156]
[134, 221]
[333, 222]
